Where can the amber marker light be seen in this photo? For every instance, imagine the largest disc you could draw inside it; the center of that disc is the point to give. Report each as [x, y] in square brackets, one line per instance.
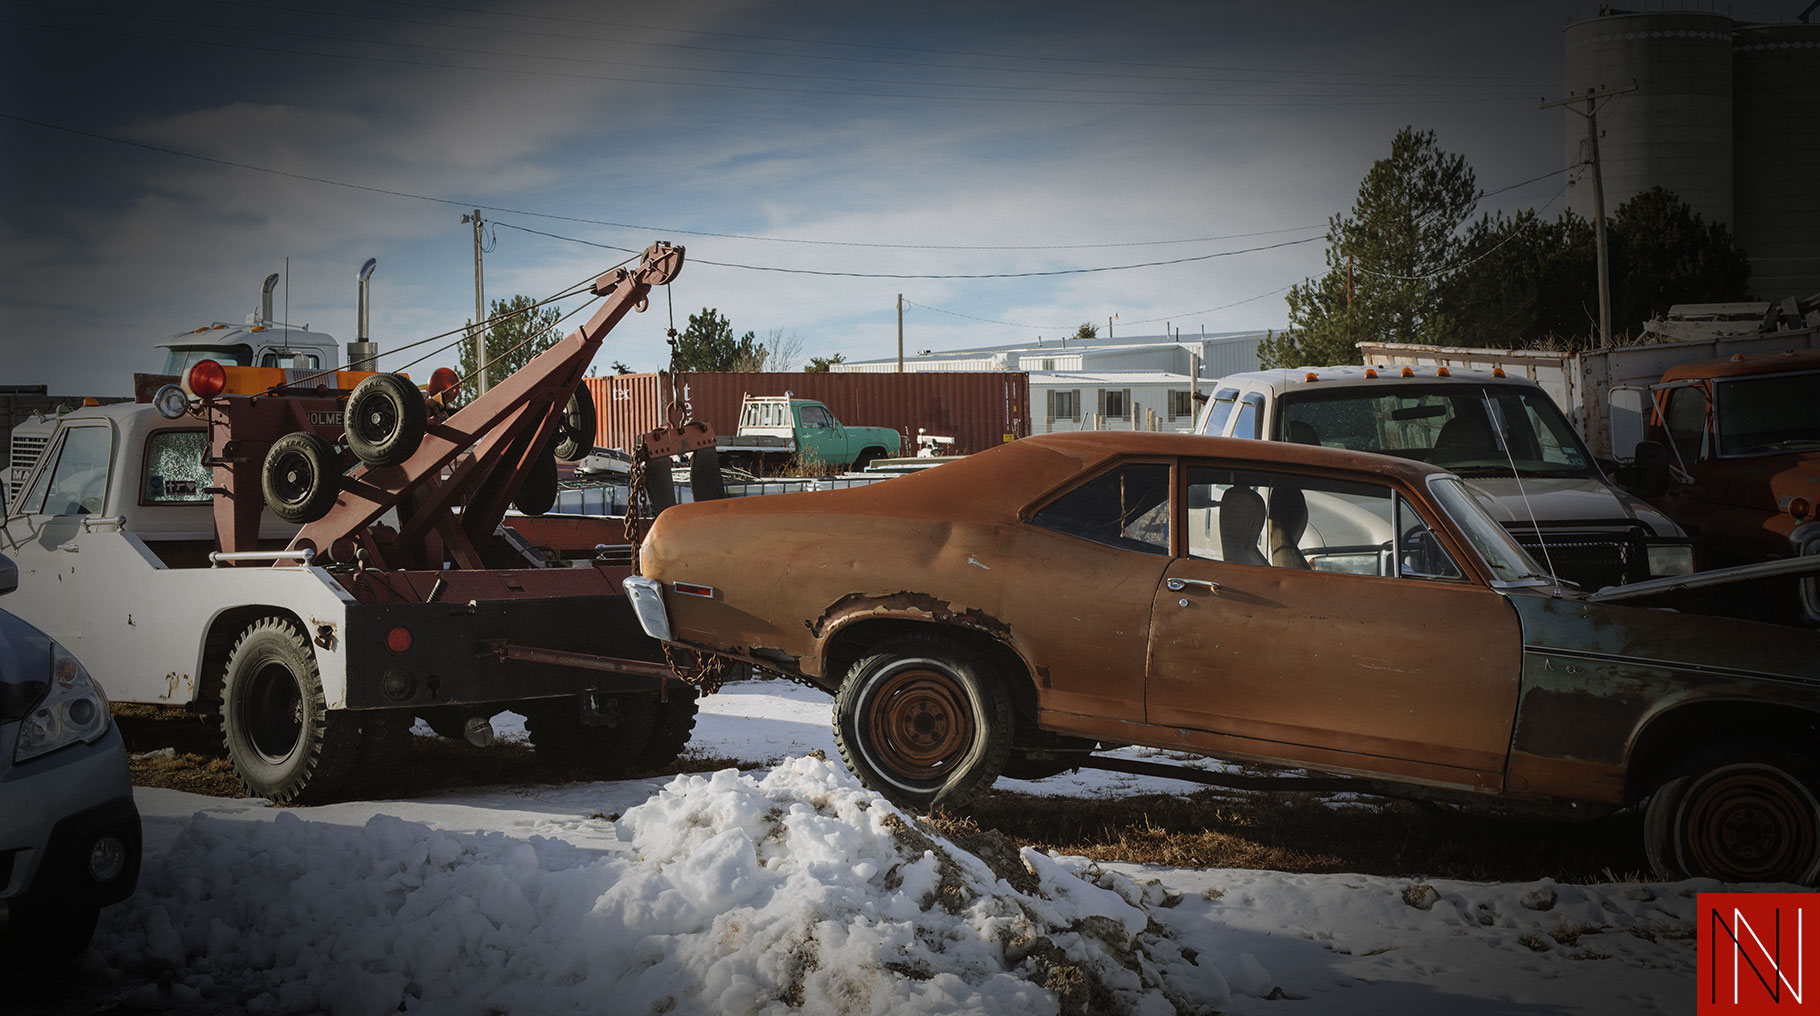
[1799, 507]
[1409, 372]
[207, 379]
[1442, 372]
[1370, 372]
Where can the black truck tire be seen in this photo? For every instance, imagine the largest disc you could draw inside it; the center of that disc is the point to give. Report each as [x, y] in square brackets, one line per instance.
[671, 727]
[283, 740]
[301, 477]
[705, 482]
[603, 751]
[575, 427]
[384, 420]
[1737, 812]
[922, 722]
[537, 493]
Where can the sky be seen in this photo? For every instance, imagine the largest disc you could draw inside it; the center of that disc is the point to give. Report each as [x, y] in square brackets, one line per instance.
[1001, 166]
[794, 889]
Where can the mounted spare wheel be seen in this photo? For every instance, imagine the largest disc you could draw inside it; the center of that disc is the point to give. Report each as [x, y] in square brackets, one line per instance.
[575, 427]
[537, 492]
[301, 477]
[283, 740]
[385, 420]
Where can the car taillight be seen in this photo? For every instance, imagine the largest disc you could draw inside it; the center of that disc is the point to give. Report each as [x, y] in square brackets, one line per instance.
[207, 379]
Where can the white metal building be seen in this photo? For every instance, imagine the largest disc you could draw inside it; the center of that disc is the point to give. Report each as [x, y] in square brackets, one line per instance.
[1144, 382]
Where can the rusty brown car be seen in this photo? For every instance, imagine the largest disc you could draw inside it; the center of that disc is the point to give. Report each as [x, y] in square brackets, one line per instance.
[1296, 606]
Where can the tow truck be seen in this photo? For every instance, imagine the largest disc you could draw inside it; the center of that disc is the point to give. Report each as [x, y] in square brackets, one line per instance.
[314, 559]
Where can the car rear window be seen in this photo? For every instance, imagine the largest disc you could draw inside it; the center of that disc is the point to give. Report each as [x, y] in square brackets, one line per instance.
[1126, 508]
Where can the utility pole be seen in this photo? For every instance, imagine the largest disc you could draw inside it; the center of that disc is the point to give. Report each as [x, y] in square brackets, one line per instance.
[900, 333]
[1591, 96]
[480, 307]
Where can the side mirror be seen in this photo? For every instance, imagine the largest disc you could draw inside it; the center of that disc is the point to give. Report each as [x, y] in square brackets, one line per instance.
[9, 574]
[1647, 476]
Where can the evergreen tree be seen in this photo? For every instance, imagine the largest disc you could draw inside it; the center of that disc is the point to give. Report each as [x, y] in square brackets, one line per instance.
[708, 345]
[1384, 261]
[519, 331]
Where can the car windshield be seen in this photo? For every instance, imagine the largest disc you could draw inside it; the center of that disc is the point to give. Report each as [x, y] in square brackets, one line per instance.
[1472, 430]
[1761, 415]
[1508, 561]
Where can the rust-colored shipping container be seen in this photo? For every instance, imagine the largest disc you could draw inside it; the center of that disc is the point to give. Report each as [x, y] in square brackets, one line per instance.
[977, 409]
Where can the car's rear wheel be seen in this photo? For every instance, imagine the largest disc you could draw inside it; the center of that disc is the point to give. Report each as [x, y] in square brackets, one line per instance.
[923, 721]
[283, 740]
[603, 743]
[1737, 813]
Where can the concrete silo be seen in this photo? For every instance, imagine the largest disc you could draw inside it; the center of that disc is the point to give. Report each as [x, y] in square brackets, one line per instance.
[1675, 129]
[1776, 157]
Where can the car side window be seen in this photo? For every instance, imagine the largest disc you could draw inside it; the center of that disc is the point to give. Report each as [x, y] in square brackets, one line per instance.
[815, 417]
[78, 479]
[1284, 520]
[1126, 508]
[174, 473]
[1420, 554]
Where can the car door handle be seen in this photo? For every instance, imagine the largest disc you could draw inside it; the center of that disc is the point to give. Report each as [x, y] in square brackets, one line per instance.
[1177, 585]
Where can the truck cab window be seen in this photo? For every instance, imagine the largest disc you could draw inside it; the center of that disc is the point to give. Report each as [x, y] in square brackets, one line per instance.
[75, 483]
[1686, 421]
[174, 473]
[1219, 411]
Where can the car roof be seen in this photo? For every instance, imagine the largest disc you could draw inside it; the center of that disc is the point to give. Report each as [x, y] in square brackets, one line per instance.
[1745, 364]
[998, 483]
[1281, 379]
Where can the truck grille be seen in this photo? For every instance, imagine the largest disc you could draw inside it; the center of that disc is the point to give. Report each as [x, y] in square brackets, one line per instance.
[25, 451]
[1589, 560]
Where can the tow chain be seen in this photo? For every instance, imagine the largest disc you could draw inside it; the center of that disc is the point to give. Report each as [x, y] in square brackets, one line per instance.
[638, 500]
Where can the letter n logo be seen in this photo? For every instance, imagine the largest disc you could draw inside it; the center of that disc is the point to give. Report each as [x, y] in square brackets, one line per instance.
[1753, 953]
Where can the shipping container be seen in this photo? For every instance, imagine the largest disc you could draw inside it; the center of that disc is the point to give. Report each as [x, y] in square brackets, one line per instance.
[976, 409]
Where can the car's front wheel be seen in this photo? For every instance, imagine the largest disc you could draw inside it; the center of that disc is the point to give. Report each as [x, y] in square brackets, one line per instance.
[923, 721]
[1737, 813]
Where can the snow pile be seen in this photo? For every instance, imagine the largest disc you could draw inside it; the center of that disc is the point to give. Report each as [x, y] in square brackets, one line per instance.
[798, 891]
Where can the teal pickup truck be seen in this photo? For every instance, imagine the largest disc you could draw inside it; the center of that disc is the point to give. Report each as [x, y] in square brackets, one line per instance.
[774, 429]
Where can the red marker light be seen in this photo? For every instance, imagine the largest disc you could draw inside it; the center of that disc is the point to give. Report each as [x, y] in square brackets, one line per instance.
[207, 379]
[1799, 507]
[692, 589]
[398, 640]
[442, 379]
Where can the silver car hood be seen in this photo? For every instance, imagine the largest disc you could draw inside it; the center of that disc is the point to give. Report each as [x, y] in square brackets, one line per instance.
[1565, 501]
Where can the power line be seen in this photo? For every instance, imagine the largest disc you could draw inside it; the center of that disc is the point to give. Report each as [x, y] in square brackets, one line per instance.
[909, 275]
[1143, 321]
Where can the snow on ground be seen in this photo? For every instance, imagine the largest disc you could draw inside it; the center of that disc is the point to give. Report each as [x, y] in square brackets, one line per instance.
[797, 890]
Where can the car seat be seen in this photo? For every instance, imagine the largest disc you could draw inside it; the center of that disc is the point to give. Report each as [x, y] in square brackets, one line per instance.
[1241, 523]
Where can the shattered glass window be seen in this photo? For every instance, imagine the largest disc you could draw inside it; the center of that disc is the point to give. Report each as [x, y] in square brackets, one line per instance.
[1126, 508]
[174, 473]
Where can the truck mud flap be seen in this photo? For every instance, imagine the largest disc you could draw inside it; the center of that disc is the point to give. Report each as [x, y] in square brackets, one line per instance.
[435, 654]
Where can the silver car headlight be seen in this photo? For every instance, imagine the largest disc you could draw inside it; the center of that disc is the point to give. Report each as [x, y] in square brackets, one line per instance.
[1670, 559]
[73, 711]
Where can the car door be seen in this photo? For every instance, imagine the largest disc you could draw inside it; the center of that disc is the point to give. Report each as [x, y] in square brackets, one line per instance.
[44, 531]
[1320, 639]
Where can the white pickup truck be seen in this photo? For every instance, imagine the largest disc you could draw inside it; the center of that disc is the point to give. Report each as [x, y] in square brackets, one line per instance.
[1502, 435]
[151, 541]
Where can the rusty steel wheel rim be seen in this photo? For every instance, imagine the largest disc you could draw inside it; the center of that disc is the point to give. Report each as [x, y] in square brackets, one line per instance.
[1752, 824]
[920, 723]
